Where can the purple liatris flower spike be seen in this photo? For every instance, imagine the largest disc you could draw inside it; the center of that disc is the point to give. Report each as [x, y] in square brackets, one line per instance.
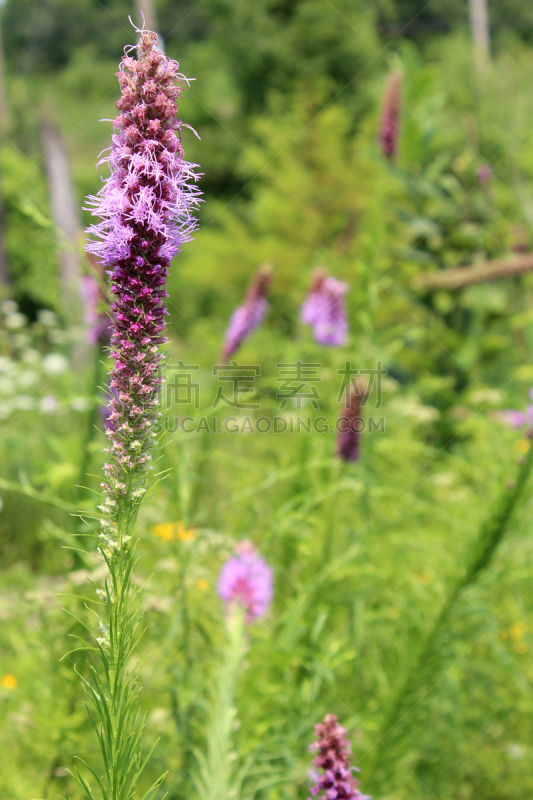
[324, 310]
[519, 419]
[335, 781]
[390, 117]
[350, 423]
[145, 208]
[246, 318]
[246, 579]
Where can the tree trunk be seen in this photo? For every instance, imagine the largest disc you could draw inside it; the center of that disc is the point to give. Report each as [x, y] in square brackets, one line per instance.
[4, 274]
[479, 21]
[66, 218]
[146, 9]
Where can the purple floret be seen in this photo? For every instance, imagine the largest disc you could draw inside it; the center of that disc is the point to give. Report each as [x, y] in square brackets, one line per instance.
[246, 579]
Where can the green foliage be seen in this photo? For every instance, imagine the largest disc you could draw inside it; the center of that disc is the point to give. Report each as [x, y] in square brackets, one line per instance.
[29, 241]
[366, 557]
[44, 36]
[214, 780]
[414, 19]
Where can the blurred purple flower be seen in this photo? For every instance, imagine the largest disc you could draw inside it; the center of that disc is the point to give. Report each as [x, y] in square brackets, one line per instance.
[49, 404]
[246, 579]
[97, 318]
[518, 419]
[246, 318]
[349, 426]
[107, 413]
[336, 781]
[308, 313]
[484, 173]
[519, 239]
[390, 117]
[324, 310]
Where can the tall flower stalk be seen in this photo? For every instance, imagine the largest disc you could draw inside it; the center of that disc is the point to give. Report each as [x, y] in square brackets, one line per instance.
[145, 210]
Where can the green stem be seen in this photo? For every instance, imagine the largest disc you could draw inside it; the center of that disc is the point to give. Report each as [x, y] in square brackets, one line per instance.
[113, 689]
[217, 768]
[491, 534]
[34, 494]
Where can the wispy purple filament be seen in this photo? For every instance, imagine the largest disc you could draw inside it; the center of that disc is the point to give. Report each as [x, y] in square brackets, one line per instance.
[246, 579]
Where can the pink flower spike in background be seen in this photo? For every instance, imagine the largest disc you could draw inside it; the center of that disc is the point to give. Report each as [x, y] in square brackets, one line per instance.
[519, 419]
[246, 579]
[324, 310]
[97, 319]
[350, 423]
[246, 318]
[390, 117]
[335, 781]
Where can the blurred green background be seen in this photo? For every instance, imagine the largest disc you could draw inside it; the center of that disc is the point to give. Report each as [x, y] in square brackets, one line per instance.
[286, 100]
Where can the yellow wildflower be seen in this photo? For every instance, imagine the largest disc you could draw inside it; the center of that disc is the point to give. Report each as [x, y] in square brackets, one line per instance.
[522, 445]
[165, 531]
[202, 584]
[9, 682]
[517, 630]
[184, 534]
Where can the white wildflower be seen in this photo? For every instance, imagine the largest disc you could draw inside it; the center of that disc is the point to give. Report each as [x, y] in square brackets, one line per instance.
[9, 307]
[15, 321]
[47, 318]
[54, 364]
